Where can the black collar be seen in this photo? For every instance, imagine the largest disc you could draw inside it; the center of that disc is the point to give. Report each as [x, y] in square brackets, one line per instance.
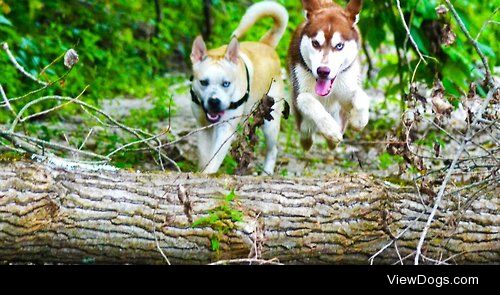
[233, 105]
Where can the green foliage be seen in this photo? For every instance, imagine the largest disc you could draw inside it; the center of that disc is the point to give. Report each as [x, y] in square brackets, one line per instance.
[118, 54]
[221, 219]
[122, 47]
[124, 51]
[456, 65]
[229, 165]
[386, 160]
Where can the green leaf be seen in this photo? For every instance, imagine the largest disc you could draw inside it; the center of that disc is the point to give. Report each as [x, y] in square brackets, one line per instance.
[375, 37]
[385, 161]
[427, 8]
[450, 87]
[487, 50]
[236, 215]
[215, 243]
[456, 76]
[5, 21]
[213, 218]
[200, 222]
[388, 70]
[230, 197]
[419, 40]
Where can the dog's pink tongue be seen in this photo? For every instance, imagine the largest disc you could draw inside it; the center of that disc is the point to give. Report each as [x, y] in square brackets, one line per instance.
[323, 87]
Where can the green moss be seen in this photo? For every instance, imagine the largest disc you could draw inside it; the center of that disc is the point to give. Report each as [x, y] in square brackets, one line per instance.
[10, 157]
[398, 181]
[221, 219]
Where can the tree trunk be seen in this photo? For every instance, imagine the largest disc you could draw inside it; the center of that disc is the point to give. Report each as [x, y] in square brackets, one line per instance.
[51, 215]
[208, 21]
[159, 17]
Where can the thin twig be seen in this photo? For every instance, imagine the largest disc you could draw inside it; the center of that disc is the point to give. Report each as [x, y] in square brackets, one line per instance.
[489, 77]
[372, 258]
[249, 261]
[39, 89]
[397, 251]
[107, 116]
[52, 145]
[52, 109]
[156, 240]
[490, 21]
[86, 138]
[473, 185]
[450, 172]
[247, 117]
[170, 143]
[409, 32]
[13, 60]
[6, 100]
[136, 142]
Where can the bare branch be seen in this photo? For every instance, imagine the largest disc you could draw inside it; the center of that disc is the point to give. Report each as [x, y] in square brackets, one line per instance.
[489, 77]
[408, 32]
[6, 100]
[450, 172]
[13, 60]
[248, 261]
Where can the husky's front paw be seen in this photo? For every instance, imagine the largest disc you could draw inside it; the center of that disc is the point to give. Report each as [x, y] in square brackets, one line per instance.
[359, 118]
[330, 129]
[360, 112]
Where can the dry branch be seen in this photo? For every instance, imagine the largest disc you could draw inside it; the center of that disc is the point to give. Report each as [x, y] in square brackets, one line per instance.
[489, 76]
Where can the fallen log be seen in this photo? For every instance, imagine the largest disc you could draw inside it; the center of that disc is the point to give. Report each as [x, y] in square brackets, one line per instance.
[56, 215]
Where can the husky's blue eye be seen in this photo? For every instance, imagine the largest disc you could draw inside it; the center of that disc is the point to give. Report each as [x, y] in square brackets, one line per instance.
[204, 82]
[226, 84]
[339, 46]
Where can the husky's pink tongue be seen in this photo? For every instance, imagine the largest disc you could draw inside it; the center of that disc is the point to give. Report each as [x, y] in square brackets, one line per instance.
[323, 87]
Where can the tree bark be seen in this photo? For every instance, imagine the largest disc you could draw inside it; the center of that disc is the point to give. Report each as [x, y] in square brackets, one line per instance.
[159, 16]
[208, 21]
[55, 215]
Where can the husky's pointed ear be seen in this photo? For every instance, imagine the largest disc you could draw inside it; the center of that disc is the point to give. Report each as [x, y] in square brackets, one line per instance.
[199, 51]
[354, 8]
[233, 51]
[310, 6]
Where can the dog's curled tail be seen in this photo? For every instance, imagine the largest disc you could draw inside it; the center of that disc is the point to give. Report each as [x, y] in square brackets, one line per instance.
[259, 11]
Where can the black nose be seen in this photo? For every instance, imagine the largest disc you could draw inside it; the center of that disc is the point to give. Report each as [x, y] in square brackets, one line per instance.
[323, 72]
[214, 104]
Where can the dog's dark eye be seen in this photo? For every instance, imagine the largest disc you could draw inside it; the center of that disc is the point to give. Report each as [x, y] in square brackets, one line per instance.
[204, 82]
[316, 44]
[226, 84]
[339, 46]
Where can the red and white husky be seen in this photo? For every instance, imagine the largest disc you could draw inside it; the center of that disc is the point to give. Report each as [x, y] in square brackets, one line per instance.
[325, 72]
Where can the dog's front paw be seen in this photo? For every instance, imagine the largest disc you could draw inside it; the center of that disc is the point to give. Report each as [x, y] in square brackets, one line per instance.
[306, 142]
[210, 169]
[360, 112]
[332, 145]
[359, 118]
[330, 130]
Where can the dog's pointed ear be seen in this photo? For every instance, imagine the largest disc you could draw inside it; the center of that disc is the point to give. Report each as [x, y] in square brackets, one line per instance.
[353, 9]
[310, 6]
[199, 51]
[233, 51]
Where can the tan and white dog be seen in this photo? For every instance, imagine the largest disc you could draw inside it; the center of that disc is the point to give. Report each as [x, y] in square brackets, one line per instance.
[325, 72]
[228, 82]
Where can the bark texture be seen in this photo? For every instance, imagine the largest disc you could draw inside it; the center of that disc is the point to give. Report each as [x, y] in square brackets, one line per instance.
[51, 215]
